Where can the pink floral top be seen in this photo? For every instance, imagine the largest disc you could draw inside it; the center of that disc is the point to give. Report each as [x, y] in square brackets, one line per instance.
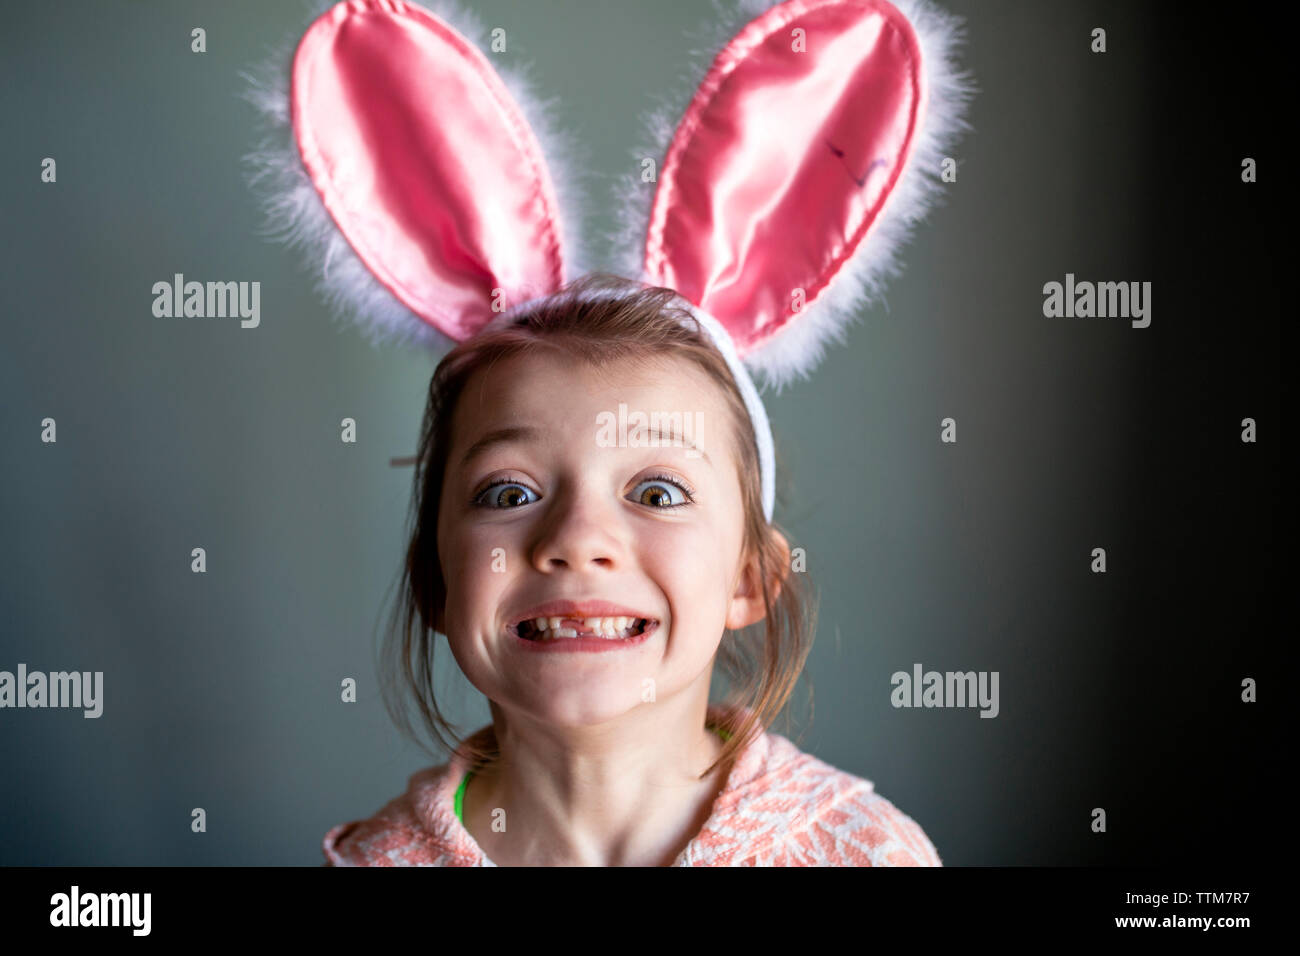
[780, 807]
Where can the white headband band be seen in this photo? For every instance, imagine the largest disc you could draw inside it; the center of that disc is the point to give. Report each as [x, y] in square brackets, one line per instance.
[757, 413]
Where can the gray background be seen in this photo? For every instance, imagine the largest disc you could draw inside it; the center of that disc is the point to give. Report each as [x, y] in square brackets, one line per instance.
[222, 689]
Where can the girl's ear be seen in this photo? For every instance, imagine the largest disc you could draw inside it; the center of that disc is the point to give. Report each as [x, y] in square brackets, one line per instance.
[747, 601]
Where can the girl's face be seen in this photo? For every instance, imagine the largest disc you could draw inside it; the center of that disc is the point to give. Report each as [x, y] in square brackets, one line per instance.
[556, 511]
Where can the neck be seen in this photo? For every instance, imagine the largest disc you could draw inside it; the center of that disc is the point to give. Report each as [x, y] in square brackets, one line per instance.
[627, 792]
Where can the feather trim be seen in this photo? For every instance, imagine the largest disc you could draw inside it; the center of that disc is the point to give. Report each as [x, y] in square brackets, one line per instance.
[797, 351]
[295, 215]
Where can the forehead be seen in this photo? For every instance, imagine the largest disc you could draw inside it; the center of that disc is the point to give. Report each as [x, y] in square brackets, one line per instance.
[554, 391]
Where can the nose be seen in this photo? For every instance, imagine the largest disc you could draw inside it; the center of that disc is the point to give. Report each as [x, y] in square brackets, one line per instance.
[580, 531]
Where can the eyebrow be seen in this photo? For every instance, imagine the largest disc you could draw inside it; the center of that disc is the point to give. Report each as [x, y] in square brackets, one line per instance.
[499, 436]
[514, 433]
[674, 441]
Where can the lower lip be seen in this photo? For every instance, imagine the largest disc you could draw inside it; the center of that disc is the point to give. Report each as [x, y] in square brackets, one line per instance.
[563, 645]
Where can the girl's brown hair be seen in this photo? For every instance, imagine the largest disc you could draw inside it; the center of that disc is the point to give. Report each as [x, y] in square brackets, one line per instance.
[598, 319]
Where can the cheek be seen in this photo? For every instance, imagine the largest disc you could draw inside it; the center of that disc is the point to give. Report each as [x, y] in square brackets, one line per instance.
[467, 561]
[479, 561]
[691, 565]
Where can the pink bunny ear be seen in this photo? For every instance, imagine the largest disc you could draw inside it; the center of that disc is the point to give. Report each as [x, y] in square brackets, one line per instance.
[417, 180]
[807, 152]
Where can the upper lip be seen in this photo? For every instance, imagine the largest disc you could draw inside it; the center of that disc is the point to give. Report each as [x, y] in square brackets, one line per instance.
[578, 609]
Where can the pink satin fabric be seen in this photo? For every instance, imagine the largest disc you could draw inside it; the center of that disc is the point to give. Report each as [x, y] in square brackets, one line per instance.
[784, 160]
[425, 163]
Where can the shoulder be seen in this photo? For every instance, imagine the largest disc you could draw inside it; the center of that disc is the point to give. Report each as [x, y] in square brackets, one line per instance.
[862, 828]
[412, 829]
[793, 809]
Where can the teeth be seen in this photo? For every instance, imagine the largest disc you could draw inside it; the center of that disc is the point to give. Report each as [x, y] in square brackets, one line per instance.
[611, 623]
[611, 627]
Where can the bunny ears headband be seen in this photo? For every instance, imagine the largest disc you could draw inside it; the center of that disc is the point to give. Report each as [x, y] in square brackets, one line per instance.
[413, 172]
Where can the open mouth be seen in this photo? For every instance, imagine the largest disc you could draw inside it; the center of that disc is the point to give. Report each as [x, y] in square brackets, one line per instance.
[600, 628]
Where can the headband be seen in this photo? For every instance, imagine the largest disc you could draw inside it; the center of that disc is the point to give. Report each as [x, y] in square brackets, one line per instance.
[411, 171]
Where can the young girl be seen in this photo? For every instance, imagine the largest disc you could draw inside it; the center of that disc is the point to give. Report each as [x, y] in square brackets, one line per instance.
[593, 516]
[586, 590]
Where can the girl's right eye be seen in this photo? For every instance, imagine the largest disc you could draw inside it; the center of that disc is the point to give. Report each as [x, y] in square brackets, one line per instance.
[507, 497]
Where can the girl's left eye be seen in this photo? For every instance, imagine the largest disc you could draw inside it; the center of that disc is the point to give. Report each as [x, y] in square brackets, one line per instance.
[654, 495]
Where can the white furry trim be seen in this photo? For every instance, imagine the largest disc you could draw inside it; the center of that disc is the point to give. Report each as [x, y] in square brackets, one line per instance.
[800, 347]
[296, 215]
